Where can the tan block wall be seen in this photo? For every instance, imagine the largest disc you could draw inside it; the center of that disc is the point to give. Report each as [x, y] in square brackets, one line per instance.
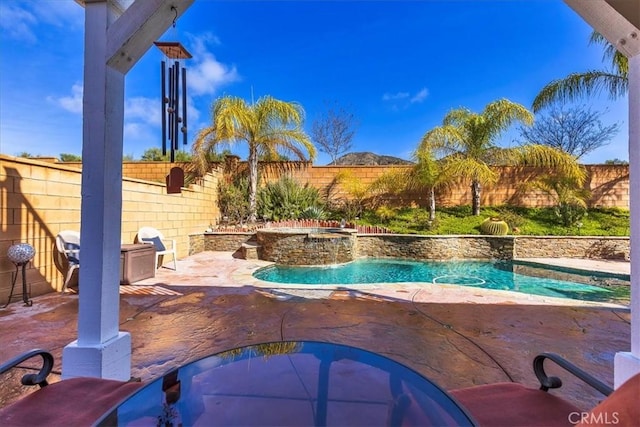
[608, 184]
[39, 199]
[148, 171]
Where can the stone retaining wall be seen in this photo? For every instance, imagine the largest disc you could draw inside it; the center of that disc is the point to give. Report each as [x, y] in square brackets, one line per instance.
[457, 247]
[225, 241]
[436, 247]
[572, 247]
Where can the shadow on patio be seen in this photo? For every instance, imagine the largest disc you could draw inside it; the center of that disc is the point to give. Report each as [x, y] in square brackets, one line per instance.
[457, 344]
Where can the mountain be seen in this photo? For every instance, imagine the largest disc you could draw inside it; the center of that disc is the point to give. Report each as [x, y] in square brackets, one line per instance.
[368, 159]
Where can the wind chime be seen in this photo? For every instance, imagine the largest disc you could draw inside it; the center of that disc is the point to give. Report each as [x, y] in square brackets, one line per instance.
[173, 94]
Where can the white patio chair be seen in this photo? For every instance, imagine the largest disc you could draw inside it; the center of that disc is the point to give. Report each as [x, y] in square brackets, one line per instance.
[152, 236]
[68, 244]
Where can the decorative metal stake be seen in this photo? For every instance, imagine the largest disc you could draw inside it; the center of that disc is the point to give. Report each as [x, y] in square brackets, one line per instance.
[172, 89]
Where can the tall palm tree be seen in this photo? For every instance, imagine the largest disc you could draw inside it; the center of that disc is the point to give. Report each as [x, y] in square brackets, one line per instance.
[267, 127]
[575, 85]
[466, 141]
[466, 144]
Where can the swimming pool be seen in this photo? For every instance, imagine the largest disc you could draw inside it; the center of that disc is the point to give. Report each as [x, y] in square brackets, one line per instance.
[503, 275]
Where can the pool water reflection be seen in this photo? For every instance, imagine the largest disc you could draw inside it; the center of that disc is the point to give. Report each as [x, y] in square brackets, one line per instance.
[513, 276]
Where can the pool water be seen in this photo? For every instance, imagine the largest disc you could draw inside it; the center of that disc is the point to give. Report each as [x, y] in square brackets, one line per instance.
[502, 275]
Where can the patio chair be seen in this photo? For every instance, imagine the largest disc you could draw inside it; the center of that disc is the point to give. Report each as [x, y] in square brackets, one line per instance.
[73, 402]
[503, 404]
[68, 244]
[153, 236]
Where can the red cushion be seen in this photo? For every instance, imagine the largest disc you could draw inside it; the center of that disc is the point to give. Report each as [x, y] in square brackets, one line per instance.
[511, 404]
[622, 407]
[72, 402]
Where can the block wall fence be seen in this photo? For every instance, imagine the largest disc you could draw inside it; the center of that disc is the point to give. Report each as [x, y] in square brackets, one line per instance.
[39, 199]
[608, 184]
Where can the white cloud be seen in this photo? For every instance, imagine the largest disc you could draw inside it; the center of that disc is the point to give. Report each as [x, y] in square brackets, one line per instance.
[141, 109]
[135, 131]
[199, 43]
[19, 19]
[71, 103]
[420, 96]
[62, 14]
[402, 100]
[209, 75]
[16, 22]
[205, 74]
[395, 96]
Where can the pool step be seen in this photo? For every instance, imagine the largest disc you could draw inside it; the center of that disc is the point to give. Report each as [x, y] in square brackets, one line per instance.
[249, 250]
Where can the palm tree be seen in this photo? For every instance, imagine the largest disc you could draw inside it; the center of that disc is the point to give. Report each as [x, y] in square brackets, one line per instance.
[427, 174]
[466, 141]
[268, 127]
[466, 144]
[575, 85]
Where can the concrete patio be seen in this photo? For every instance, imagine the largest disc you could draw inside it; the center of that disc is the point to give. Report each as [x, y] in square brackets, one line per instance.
[456, 336]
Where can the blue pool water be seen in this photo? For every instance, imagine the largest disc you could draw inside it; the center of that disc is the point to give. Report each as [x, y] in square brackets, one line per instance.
[503, 275]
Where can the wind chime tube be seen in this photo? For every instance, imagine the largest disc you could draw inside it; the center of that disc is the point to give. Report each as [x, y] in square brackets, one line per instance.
[176, 129]
[163, 97]
[170, 109]
[184, 106]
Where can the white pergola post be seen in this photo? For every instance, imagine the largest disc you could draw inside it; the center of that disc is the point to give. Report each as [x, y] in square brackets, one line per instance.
[117, 34]
[619, 22]
[100, 350]
[627, 364]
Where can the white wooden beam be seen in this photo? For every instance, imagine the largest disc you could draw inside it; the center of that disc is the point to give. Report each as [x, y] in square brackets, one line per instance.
[618, 29]
[138, 27]
[117, 6]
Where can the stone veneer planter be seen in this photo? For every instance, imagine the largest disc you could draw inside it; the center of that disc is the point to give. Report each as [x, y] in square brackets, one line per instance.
[307, 246]
[435, 247]
[424, 247]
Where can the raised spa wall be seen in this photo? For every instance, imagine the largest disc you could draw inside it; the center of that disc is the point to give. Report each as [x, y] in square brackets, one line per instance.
[442, 247]
[307, 246]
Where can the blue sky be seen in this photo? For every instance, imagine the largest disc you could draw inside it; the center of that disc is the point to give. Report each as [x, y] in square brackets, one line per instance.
[399, 66]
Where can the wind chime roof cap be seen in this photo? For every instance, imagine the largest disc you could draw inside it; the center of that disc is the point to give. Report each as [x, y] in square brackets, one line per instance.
[173, 50]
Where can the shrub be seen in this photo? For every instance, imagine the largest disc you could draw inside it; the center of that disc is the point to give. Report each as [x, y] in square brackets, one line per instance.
[385, 214]
[314, 212]
[570, 213]
[286, 199]
[233, 200]
[513, 219]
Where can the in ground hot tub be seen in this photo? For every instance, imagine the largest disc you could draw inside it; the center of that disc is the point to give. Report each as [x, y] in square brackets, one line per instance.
[307, 246]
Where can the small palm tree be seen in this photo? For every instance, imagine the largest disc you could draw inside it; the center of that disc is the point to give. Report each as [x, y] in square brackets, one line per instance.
[575, 85]
[466, 142]
[427, 174]
[267, 127]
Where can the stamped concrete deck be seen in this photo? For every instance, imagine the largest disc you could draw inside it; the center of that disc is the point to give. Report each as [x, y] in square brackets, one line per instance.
[456, 336]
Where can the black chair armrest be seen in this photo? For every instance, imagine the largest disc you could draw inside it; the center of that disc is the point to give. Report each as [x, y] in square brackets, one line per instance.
[547, 382]
[32, 379]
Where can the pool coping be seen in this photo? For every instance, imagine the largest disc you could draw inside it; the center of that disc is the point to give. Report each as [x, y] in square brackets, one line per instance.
[418, 292]
[223, 270]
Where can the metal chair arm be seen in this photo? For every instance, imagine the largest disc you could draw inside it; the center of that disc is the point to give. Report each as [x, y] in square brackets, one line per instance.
[32, 379]
[547, 382]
